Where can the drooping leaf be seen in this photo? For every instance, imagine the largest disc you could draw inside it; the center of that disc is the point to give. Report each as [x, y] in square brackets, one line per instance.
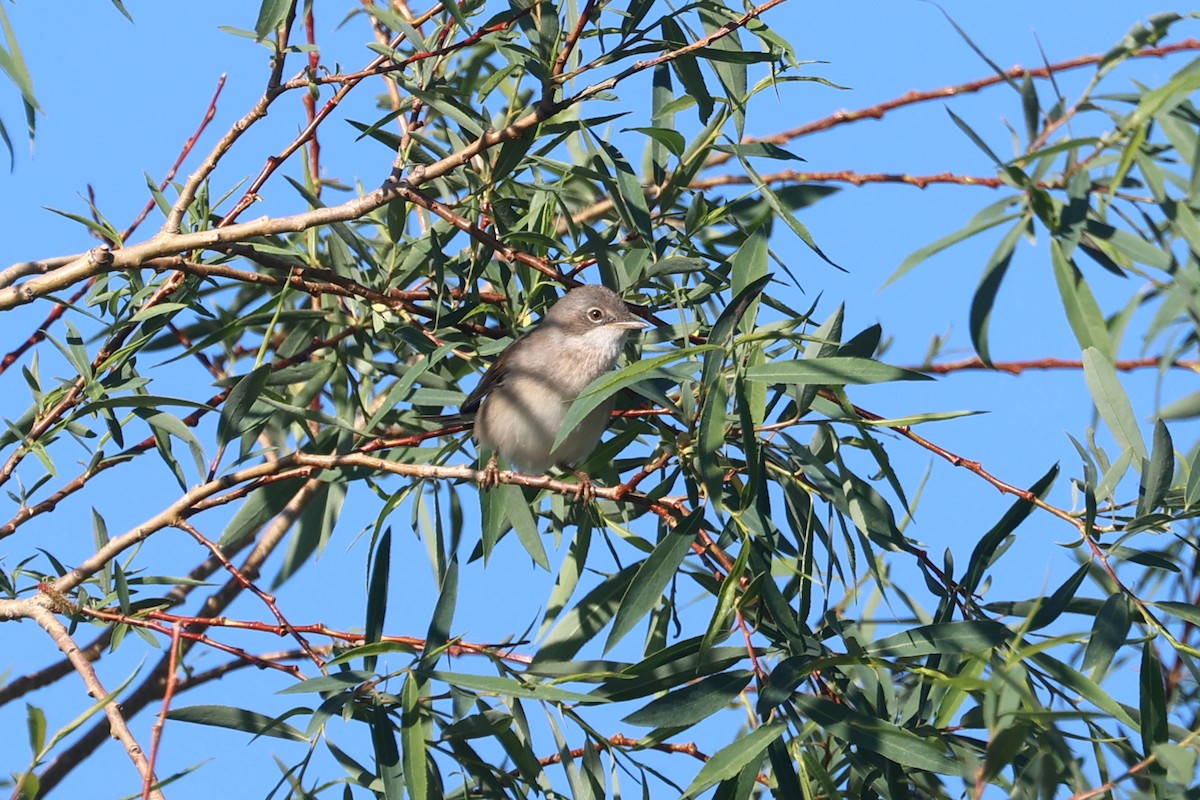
[653, 575]
[1109, 632]
[989, 285]
[238, 719]
[831, 371]
[1113, 404]
[729, 760]
[693, 703]
[879, 736]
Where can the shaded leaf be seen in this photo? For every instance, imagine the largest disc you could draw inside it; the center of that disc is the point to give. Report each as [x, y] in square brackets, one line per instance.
[877, 735]
[831, 371]
[693, 703]
[729, 760]
[238, 719]
[1109, 632]
[653, 575]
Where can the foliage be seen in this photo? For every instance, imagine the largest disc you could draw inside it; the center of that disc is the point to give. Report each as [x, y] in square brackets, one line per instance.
[733, 593]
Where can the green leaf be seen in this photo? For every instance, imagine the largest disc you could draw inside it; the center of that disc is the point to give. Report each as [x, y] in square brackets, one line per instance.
[589, 616]
[653, 576]
[677, 664]
[1186, 407]
[758, 150]
[238, 719]
[1082, 310]
[1109, 632]
[727, 597]
[1185, 611]
[1015, 175]
[984, 220]
[1003, 748]
[671, 139]
[377, 594]
[782, 211]
[876, 735]
[989, 285]
[413, 739]
[1113, 404]
[387, 753]
[35, 723]
[693, 703]
[748, 268]
[967, 636]
[120, 6]
[831, 371]
[1056, 603]
[606, 386]
[1152, 701]
[629, 196]
[675, 265]
[729, 760]
[510, 687]
[263, 504]
[519, 513]
[1157, 478]
[271, 15]
[1126, 248]
[438, 633]
[1088, 689]
[1178, 762]
[238, 404]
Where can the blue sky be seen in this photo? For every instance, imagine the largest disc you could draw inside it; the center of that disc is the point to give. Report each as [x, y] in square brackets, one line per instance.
[120, 100]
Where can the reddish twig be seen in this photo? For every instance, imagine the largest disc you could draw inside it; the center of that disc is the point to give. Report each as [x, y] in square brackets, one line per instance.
[376, 67]
[958, 461]
[246, 583]
[1017, 367]
[310, 100]
[458, 648]
[112, 709]
[39, 335]
[194, 636]
[878, 110]
[168, 694]
[855, 178]
[572, 40]
[624, 742]
[646, 471]
[747, 635]
[209, 113]
[505, 251]
[57, 312]
[26, 513]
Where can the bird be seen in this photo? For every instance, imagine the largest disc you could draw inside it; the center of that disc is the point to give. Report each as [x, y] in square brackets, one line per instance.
[522, 399]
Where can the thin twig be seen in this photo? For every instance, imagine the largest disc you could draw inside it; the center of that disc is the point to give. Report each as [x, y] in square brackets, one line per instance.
[160, 723]
[112, 709]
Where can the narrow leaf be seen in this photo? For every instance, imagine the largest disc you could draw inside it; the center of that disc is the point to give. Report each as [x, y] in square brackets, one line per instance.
[831, 371]
[653, 576]
[693, 703]
[1113, 404]
[729, 760]
[238, 719]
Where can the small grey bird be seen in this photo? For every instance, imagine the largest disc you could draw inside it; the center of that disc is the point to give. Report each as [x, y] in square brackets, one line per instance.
[521, 401]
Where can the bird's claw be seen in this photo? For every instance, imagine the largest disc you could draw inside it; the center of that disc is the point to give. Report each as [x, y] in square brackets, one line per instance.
[585, 492]
[491, 474]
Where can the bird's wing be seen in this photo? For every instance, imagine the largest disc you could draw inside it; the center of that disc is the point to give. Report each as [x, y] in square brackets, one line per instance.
[491, 379]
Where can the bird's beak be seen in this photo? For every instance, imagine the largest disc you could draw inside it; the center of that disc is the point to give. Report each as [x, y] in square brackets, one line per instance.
[631, 325]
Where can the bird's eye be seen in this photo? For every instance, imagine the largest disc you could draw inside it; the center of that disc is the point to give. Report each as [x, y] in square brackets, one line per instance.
[595, 314]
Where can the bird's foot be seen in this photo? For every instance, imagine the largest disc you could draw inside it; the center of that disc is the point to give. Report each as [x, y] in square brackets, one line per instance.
[491, 474]
[585, 492]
